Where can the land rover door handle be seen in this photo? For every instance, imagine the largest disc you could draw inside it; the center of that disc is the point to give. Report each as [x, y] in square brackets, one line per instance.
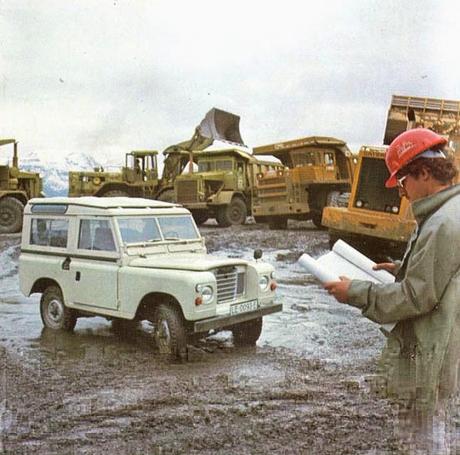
[66, 263]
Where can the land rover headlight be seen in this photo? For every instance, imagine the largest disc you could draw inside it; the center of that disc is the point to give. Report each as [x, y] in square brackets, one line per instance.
[395, 209]
[206, 291]
[359, 203]
[264, 282]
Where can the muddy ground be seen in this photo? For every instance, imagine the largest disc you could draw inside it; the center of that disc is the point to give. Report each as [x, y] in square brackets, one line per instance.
[301, 390]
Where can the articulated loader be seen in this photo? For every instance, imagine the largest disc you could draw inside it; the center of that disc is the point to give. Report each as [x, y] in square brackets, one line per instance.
[16, 188]
[377, 220]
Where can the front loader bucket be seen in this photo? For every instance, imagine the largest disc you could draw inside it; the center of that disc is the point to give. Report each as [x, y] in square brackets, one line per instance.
[221, 126]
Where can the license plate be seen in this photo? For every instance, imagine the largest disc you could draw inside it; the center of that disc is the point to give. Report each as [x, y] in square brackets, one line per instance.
[244, 307]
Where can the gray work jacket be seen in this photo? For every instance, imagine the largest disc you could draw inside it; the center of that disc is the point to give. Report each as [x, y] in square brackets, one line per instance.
[421, 359]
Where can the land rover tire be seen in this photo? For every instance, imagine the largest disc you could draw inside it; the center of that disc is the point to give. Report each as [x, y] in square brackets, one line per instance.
[55, 315]
[170, 333]
[115, 193]
[234, 213]
[247, 333]
[11, 213]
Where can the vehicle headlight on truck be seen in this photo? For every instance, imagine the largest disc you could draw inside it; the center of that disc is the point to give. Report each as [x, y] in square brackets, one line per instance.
[206, 291]
[264, 281]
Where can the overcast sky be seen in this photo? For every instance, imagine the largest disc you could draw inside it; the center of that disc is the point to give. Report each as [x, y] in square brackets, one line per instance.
[106, 77]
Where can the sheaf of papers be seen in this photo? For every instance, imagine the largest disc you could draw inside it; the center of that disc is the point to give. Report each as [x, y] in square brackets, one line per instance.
[344, 260]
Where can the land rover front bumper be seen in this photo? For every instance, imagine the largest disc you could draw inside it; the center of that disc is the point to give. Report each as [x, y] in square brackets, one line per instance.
[219, 322]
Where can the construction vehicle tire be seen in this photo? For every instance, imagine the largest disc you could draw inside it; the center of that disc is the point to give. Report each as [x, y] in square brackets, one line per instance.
[116, 193]
[200, 217]
[232, 214]
[167, 196]
[11, 213]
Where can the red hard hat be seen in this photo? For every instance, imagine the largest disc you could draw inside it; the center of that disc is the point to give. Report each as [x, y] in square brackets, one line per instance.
[406, 147]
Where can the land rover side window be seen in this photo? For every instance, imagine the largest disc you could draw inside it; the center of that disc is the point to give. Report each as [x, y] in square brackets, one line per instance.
[139, 230]
[224, 165]
[177, 228]
[95, 235]
[49, 232]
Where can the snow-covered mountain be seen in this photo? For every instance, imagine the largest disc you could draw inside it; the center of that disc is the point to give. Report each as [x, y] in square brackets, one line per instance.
[55, 173]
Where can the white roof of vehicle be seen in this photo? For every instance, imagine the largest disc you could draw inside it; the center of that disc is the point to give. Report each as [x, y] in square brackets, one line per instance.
[104, 206]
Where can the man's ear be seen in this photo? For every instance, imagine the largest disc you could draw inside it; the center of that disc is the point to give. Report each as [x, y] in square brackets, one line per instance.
[425, 174]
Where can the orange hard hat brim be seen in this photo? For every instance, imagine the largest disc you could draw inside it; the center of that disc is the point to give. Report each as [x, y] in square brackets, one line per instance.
[392, 181]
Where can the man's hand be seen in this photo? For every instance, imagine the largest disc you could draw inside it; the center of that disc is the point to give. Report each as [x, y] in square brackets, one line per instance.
[339, 289]
[388, 266]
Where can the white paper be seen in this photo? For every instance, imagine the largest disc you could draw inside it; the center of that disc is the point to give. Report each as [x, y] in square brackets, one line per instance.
[344, 260]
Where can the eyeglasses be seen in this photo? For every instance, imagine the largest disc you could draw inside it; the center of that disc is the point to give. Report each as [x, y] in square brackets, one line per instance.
[400, 182]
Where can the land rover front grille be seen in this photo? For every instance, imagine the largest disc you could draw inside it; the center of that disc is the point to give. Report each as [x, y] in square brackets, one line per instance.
[230, 283]
[187, 191]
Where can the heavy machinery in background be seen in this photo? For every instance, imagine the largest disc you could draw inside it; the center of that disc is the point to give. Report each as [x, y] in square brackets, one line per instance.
[318, 172]
[376, 218]
[16, 188]
[223, 187]
[139, 177]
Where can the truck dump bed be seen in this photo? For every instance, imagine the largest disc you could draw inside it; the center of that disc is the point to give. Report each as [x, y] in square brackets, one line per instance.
[442, 116]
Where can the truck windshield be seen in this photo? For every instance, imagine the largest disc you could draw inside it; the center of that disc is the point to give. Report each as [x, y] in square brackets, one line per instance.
[155, 229]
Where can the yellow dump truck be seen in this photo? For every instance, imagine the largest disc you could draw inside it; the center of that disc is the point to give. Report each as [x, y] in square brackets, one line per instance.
[376, 219]
[318, 172]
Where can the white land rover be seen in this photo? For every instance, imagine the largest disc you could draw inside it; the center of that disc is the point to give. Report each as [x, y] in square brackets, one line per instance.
[130, 259]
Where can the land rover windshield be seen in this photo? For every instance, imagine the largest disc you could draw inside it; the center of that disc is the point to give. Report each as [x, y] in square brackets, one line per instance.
[141, 229]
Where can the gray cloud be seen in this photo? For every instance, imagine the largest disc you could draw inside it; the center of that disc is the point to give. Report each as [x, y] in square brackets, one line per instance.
[108, 76]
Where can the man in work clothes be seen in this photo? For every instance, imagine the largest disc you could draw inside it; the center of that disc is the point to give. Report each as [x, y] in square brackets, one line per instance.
[421, 358]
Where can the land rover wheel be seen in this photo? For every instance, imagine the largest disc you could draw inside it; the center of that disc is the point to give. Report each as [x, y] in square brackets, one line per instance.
[55, 315]
[232, 214]
[170, 334]
[116, 193]
[11, 212]
[247, 333]
[200, 217]
[167, 196]
[277, 223]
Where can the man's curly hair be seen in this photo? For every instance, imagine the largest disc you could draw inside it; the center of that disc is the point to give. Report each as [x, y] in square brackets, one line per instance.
[443, 170]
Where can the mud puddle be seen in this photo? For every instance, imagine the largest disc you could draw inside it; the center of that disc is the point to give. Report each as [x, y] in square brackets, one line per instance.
[301, 390]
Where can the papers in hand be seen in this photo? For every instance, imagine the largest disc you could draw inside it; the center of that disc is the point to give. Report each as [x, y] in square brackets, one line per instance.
[344, 260]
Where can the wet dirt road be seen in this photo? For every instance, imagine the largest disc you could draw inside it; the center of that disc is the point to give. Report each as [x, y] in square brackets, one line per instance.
[301, 390]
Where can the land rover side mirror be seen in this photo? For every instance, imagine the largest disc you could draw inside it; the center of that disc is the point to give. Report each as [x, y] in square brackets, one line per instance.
[258, 254]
